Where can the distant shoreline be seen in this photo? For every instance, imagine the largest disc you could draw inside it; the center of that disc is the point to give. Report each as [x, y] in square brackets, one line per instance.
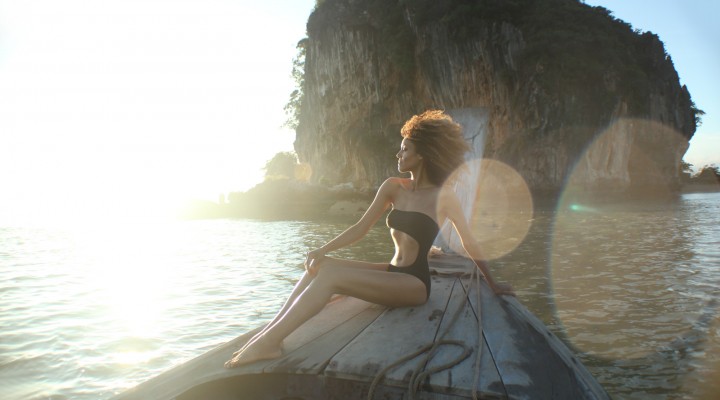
[296, 200]
[700, 188]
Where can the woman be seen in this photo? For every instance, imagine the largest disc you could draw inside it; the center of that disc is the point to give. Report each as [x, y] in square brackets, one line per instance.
[431, 149]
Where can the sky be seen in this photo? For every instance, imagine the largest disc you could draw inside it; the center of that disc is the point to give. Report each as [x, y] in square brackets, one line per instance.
[138, 105]
[691, 33]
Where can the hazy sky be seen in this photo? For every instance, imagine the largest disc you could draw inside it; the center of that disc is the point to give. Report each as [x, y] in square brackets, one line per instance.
[691, 33]
[137, 103]
[106, 102]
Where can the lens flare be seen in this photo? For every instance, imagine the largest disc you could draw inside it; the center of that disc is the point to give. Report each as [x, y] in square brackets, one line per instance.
[632, 156]
[303, 172]
[605, 254]
[497, 203]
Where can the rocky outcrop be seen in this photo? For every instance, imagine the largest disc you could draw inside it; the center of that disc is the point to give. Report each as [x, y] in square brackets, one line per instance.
[572, 94]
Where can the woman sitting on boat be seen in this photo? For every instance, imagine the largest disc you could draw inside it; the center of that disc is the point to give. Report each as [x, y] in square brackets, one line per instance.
[431, 149]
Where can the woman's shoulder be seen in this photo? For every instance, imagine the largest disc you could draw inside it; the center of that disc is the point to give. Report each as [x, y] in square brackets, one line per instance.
[393, 188]
[395, 182]
[447, 198]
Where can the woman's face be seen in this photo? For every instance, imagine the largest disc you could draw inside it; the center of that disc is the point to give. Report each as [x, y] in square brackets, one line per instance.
[408, 159]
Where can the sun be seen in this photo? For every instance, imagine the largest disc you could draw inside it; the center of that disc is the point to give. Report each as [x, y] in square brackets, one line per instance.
[130, 266]
[134, 123]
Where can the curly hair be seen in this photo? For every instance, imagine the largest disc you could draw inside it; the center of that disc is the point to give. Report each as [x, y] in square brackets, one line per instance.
[439, 140]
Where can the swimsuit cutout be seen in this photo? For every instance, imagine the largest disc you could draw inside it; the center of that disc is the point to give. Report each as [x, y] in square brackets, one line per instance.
[423, 229]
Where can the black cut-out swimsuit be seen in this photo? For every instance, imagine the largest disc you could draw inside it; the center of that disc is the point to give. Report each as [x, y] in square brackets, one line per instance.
[423, 229]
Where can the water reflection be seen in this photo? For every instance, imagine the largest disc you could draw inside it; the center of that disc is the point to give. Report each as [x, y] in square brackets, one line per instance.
[631, 287]
[619, 277]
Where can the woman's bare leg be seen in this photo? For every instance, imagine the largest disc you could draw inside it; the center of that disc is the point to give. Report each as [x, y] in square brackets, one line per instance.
[380, 287]
[303, 283]
[299, 288]
[307, 278]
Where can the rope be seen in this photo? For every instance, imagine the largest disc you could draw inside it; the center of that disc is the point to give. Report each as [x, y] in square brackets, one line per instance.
[430, 349]
[476, 370]
[417, 379]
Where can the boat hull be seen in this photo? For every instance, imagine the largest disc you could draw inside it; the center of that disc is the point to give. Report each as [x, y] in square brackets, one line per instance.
[339, 353]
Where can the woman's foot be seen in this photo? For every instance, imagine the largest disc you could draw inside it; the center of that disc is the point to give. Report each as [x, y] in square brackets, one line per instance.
[248, 343]
[255, 351]
[252, 339]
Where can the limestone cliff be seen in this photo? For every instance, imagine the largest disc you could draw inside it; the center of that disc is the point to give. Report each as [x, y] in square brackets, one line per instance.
[571, 93]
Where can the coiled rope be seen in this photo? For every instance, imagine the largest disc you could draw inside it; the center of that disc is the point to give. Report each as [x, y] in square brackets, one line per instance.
[431, 348]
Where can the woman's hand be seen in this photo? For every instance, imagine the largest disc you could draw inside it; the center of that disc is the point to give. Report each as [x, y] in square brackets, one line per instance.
[313, 261]
[502, 289]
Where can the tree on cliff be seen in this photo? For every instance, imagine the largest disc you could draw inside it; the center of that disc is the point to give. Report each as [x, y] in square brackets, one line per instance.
[281, 166]
[710, 174]
[686, 171]
[285, 165]
[292, 108]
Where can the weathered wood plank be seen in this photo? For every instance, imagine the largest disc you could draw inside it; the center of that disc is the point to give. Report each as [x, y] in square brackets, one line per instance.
[204, 368]
[459, 379]
[335, 313]
[352, 390]
[579, 378]
[338, 324]
[395, 334]
[521, 359]
[510, 349]
[450, 265]
[209, 366]
[529, 368]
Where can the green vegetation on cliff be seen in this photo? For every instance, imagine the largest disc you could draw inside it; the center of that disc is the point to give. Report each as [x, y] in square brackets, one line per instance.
[386, 17]
[709, 175]
[294, 104]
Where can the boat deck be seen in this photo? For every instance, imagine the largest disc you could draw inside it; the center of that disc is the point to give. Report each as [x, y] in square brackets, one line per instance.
[339, 352]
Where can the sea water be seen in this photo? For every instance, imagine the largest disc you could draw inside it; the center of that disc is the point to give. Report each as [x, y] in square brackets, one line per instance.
[88, 310]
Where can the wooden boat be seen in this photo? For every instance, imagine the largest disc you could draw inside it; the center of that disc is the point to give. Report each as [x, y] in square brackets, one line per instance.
[339, 353]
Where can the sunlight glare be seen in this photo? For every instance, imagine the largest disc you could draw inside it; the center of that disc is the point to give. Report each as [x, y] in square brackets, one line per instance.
[155, 108]
[130, 267]
[133, 357]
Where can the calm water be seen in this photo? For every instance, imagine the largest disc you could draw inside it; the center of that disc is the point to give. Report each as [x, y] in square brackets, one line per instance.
[90, 311]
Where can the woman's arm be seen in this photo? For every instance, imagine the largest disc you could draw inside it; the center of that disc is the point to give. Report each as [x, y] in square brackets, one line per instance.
[453, 211]
[357, 231]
